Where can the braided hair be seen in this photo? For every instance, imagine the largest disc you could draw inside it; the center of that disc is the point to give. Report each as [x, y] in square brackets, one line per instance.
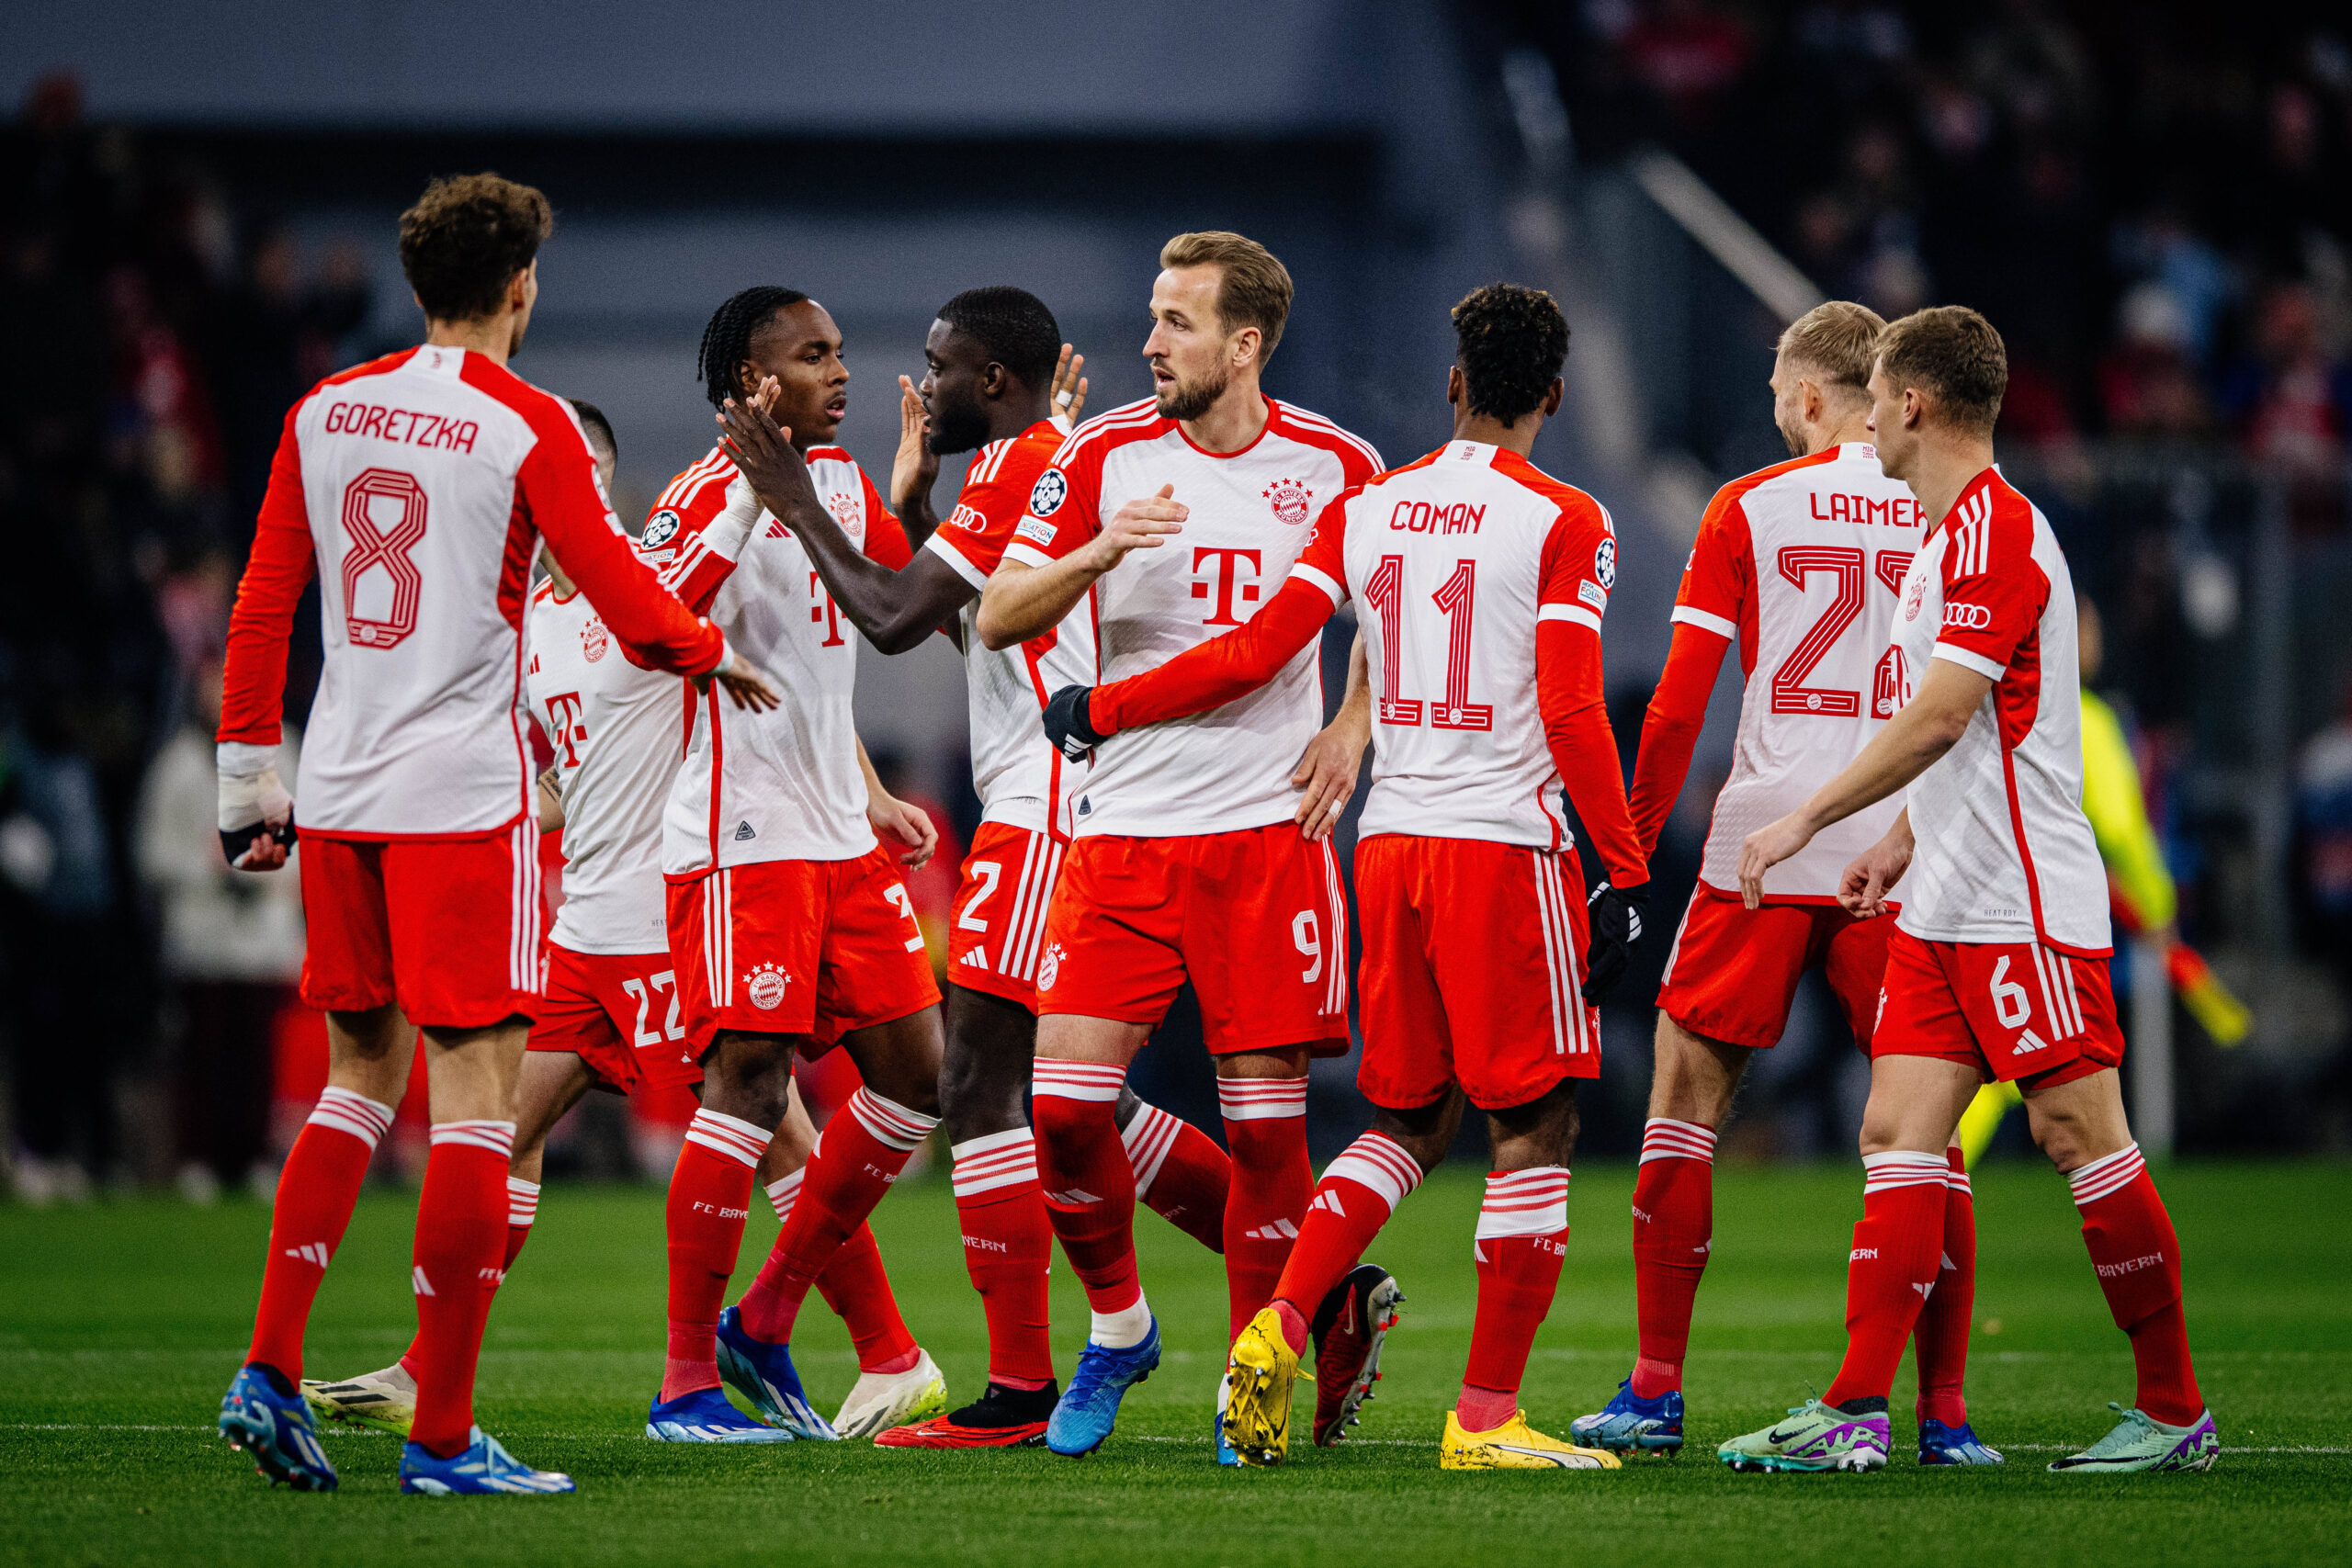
[727, 341]
[1511, 343]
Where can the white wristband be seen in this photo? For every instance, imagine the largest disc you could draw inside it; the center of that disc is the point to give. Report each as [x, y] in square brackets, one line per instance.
[243, 759]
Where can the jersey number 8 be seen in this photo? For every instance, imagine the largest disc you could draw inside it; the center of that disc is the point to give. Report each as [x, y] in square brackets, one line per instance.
[376, 563]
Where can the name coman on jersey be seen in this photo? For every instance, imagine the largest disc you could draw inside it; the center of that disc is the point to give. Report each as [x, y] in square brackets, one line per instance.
[1250, 514]
[616, 731]
[1801, 562]
[2004, 853]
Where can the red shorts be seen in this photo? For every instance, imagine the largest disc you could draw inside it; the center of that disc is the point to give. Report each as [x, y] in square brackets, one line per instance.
[1257, 919]
[620, 1014]
[1734, 971]
[811, 947]
[2010, 1010]
[999, 924]
[1473, 964]
[447, 927]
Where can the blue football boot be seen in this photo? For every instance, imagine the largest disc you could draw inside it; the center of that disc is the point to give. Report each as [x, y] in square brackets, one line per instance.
[1645, 1425]
[762, 1374]
[706, 1417]
[1224, 1454]
[275, 1428]
[1090, 1408]
[1939, 1444]
[483, 1469]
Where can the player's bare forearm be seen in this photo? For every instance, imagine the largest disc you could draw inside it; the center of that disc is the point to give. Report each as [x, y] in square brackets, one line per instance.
[1326, 774]
[1022, 601]
[551, 801]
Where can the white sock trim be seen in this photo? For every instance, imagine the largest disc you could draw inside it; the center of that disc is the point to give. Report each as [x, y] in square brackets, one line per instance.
[999, 1161]
[1525, 1203]
[2107, 1175]
[521, 1202]
[783, 1190]
[1903, 1167]
[1148, 1137]
[1260, 1100]
[1096, 1081]
[891, 1125]
[348, 1111]
[493, 1138]
[1379, 1162]
[743, 1142]
[1664, 1138]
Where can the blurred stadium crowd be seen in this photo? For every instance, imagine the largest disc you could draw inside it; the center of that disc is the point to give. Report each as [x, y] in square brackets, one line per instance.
[2153, 203]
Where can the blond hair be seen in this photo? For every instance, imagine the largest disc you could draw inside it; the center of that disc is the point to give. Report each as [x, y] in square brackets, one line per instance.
[1953, 354]
[1838, 339]
[1255, 291]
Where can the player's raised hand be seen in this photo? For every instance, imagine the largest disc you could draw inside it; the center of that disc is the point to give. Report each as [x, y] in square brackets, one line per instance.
[1068, 389]
[914, 468]
[1140, 525]
[744, 686]
[762, 450]
[901, 824]
[1766, 847]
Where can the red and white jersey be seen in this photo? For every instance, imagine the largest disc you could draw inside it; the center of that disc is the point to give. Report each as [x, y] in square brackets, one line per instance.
[616, 732]
[2004, 853]
[1455, 560]
[1801, 562]
[1019, 778]
[421, 484]
[783, 784]
[1251, 513]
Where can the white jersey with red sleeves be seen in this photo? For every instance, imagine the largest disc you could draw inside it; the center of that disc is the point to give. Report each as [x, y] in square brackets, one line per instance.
[1453, 561]
[1801, 562]
[1019, 778]
[616, 730]
[1250, 514]
[420, 484]
[2004, 853]
[783, 784]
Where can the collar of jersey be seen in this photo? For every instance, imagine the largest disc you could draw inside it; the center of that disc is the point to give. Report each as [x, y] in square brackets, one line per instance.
[1274, 413]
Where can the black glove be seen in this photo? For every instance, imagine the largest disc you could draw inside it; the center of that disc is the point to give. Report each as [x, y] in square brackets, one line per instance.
[1614, 915]
[1066, 725]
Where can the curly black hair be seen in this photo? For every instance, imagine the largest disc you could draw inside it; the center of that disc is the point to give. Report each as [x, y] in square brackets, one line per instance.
[466, 238]
[1013, 327]
[1511, 343]
[727, 341]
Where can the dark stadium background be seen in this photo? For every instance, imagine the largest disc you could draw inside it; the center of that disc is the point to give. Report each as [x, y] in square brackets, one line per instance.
[2153, 202]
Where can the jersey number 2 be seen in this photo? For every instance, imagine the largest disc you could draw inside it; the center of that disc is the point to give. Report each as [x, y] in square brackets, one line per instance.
[369, 548]
[1456, 600]
[1797, 563]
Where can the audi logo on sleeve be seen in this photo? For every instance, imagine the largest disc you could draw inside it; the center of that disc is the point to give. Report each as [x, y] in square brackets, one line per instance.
[1967, 617]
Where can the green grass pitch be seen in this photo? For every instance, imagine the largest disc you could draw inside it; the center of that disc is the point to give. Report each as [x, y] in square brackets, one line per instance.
[119, 1325]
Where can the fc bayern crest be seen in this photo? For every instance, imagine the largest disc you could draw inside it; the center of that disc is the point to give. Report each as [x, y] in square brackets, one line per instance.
[1047, 494]
[659, 529]
[594, 640]
[1604, 564]
[765, 986]
[1292, 500]
[850, 509]
[1914, 599]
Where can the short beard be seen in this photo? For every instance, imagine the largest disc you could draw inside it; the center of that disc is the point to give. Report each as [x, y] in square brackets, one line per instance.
[957, 427]
[1795, 435]
[1191, 399]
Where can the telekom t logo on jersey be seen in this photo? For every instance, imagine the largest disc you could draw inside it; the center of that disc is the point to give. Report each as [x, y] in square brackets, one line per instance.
[564, 709]
[1222, 576]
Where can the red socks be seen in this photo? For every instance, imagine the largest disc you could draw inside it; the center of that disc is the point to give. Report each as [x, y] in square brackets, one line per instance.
[1674, 1222]
[857, 1288]
[1521, 1239]
[710, 1192]
[522, 1208]
[860, 1153]
[1358, 1193]
[1265, 1128]
[1090, 1189]
[1008, 1245]
[1181, 1173]
[460, 1239]
[315, 1194]
[1892, 1268]
[1941, 1341]
[2138, 1258]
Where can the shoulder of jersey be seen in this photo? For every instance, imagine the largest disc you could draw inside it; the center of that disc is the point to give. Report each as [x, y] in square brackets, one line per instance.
[1994, 512]
[692, 497]
[1746, 482]
[1313, 430]
[380, 366]
[831, 455]
[1134, 421]
[1559, 492]
[1014, 458]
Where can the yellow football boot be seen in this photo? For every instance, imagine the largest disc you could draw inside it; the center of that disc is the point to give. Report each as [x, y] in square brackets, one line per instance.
[1515, 1445]
[1262, 1368]
[385, 1401]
